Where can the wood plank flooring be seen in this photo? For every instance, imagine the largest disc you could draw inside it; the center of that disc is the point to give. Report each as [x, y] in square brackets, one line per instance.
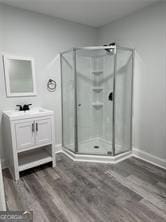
[130, 191]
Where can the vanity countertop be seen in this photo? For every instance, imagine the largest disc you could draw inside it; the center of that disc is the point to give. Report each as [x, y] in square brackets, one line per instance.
[34, 112]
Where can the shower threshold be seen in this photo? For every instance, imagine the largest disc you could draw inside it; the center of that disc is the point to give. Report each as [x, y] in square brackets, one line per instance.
[97, 158]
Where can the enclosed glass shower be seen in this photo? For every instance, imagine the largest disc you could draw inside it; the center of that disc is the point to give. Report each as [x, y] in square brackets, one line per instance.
[97, 94]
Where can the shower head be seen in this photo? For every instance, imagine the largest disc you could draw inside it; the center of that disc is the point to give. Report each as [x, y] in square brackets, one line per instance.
[107, 50]
[111, 50]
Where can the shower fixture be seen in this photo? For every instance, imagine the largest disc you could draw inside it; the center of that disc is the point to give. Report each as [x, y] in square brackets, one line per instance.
[110, 96]
[110, 50]
[101, 128]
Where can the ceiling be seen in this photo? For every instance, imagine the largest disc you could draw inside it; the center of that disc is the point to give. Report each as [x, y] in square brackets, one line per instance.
[88, 12]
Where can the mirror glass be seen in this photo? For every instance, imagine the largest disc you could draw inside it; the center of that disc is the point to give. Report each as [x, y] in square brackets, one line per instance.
[19, 75]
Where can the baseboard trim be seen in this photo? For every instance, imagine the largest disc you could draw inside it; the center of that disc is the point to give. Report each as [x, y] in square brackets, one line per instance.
[135, 153]
[58, 148]
[149, 158]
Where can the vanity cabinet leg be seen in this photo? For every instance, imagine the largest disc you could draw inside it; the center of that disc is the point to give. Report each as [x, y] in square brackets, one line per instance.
[53, 155]
[17, 175]
[54, 161]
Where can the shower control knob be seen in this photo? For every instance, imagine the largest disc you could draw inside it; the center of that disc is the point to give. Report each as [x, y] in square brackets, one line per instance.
[79, 104]
[110, 96]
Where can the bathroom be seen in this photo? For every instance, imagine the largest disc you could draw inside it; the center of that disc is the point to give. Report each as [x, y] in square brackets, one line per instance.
[35, 30]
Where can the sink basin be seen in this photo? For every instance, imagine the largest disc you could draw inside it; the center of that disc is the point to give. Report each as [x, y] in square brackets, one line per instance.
[34, 112]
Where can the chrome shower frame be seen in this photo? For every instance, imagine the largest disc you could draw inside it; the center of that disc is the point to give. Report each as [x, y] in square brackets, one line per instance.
[73, 51]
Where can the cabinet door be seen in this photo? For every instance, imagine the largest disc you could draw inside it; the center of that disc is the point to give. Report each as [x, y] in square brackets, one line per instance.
[25, 134]
[43, 131]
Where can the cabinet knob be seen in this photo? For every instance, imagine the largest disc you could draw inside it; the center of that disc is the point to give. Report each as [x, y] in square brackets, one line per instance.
[33, 127]
[37, 127]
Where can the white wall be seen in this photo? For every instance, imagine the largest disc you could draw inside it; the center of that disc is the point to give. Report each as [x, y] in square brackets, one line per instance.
[42, 37]
[145, 31]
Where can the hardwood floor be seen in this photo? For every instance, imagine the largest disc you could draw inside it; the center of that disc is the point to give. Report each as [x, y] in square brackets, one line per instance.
[131, 191]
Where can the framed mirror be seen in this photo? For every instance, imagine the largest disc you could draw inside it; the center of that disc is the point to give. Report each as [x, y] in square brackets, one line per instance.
[19, 76]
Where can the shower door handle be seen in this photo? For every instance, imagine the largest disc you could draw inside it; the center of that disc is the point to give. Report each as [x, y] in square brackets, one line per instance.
[110, 96]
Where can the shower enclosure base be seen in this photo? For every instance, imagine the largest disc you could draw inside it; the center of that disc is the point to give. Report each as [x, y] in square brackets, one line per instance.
[97, 146]
[97, 150]
[97, 158]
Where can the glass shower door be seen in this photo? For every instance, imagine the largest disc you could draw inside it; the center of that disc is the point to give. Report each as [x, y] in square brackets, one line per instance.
[68, 98]
[94, 78]
[123, 100]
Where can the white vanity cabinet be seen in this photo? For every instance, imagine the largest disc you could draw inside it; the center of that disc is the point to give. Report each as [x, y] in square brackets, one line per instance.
[29, 139]
[34, 132]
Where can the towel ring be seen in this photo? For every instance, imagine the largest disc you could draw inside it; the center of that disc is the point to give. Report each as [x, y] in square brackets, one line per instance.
[51, 85]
